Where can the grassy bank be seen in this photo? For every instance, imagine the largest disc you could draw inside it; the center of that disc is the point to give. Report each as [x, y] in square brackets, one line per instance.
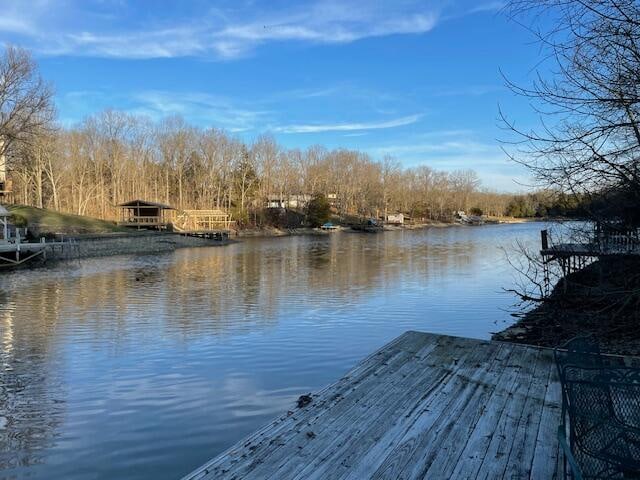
[43, 222]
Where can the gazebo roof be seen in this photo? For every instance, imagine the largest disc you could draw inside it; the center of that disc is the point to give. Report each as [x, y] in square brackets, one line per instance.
[145, 203]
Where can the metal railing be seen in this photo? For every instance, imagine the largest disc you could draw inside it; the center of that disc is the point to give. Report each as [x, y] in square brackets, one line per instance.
[615, 238]
[143, 221]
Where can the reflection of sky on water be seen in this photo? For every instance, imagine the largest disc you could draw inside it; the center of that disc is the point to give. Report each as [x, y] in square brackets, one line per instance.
[147, 366]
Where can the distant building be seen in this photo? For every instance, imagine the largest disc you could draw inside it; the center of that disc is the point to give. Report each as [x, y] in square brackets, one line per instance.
[5, 183]
[5, 218]
[144, 215]
[275, 201]
[395, 219]
[288, 201]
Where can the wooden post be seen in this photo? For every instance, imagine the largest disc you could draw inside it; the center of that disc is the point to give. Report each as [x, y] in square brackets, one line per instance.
[544, 237]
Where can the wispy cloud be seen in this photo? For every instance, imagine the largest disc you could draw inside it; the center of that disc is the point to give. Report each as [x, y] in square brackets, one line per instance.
[493, 6]
[345, 127]
[357, 134]
[14, 25]
[209, 110]
[165, 43]
[449, 147]
[466, 90]
[450, 150]
[200, 108]
[118, 30]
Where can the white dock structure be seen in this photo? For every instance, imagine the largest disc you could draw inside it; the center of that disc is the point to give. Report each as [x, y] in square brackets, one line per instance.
[423, 406]
[14, 251]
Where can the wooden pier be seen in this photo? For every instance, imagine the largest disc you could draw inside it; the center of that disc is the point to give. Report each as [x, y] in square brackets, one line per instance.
[605, 241]
[423, 406]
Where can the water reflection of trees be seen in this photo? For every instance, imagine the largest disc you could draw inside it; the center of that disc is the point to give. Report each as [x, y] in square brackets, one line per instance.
[31, 391]
[244, 285]
[186, 296]
[252, 283]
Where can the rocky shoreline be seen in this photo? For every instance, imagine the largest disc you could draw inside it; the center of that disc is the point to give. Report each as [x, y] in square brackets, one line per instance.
[103, 245]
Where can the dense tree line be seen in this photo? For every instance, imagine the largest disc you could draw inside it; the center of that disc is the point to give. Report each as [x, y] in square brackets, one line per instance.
[113, 157]
[544, 204]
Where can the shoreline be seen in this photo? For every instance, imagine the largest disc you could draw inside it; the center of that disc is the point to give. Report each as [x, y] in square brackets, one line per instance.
[582, 304]
[95, 245]
[271, 232]
[77, 247]
[551, 328]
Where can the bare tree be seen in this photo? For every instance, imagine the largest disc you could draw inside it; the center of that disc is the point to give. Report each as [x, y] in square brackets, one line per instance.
[25, 100]
[587, 95]
[588, 141]
[245, 177]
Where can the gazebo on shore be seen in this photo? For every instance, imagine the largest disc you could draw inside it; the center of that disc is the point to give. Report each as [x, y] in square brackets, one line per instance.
[144, 214]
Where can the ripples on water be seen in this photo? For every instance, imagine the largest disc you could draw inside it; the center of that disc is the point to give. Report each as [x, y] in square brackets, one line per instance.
[147, 366]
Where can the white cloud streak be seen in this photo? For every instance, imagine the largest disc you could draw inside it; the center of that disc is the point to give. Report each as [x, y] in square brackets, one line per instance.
[494, 6]
[206, 109]
[441, 146]
[81, 28]
[203, 109]
[346, 127]
[458, 149]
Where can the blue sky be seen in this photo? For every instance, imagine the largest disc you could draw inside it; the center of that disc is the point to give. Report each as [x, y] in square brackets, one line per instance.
[419, 80]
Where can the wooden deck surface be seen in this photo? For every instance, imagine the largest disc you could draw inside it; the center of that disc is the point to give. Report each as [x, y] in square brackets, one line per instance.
[589, 250]
[423, 406]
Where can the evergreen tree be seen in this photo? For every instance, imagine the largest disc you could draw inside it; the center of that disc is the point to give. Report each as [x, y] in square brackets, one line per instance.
[318, 210]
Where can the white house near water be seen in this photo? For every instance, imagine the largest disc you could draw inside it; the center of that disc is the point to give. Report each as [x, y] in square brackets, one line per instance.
[5, 184]
[288, 201]
[4, 221]
[395, 218]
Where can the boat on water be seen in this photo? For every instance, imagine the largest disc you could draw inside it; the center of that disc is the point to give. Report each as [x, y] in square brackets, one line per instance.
[329, 227]
[371, 225]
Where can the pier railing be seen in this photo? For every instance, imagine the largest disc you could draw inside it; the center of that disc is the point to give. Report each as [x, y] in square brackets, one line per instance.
[142, 221]
[616, 238]
[607, 239]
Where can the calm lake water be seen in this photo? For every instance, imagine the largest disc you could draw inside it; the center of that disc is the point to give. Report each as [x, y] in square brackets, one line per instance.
[147, 366]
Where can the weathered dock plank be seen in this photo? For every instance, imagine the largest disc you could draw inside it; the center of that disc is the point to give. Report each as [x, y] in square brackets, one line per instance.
[423, 406]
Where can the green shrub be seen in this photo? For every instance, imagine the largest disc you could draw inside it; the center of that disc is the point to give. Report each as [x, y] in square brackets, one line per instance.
[318, 210]
[19, 220]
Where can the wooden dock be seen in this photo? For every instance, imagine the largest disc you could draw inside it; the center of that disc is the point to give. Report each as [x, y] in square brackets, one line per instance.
[423, 406]
[572, 257]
